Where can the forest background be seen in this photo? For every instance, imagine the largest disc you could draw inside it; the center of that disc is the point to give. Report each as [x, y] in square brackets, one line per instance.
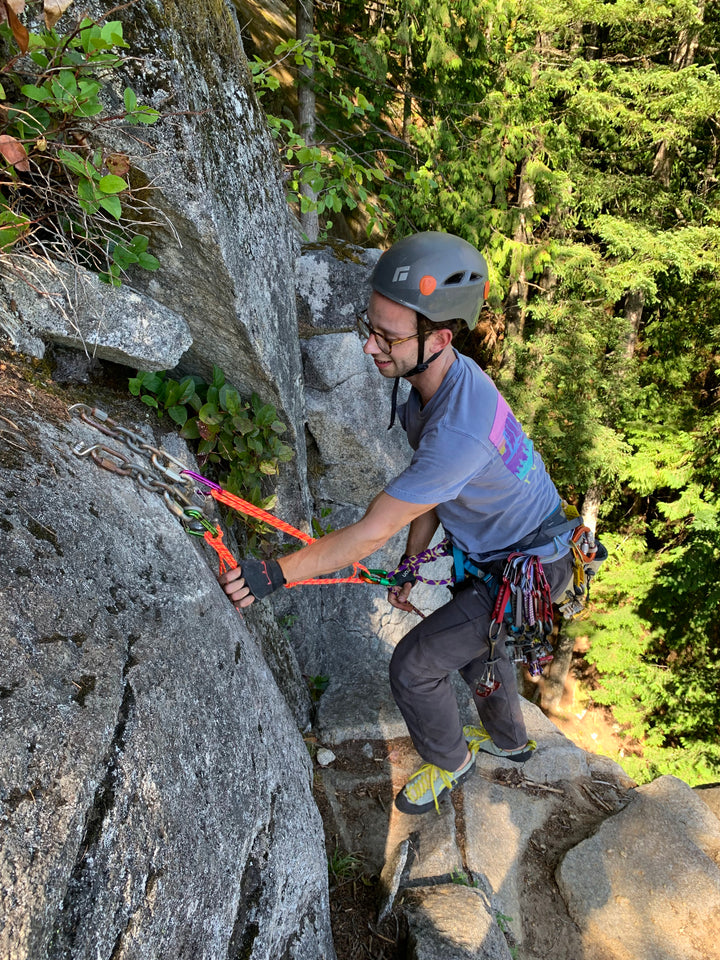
[576, 143]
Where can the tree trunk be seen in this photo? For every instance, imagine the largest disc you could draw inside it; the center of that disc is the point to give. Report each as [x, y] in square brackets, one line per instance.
[552, 685]
[683, 56]
[555, 675]
[591, 506]
[407, 95]
[634, 303]
[688, 42]
[516, 308]
[518, 293]
[304, 25]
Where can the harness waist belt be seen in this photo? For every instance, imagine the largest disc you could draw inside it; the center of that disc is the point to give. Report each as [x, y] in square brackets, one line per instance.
[554, 525]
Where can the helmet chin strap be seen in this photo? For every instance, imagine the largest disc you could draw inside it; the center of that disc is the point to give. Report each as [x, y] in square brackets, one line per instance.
[420, 367]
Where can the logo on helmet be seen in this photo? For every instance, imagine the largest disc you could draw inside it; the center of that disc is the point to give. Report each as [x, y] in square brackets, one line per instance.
[401, 274]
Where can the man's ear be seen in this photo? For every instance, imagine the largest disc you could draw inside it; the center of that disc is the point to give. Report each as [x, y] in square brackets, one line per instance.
[439, 339]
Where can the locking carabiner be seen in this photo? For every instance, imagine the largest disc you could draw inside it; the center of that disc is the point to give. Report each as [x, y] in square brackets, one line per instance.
[379, 577]
[196, 523]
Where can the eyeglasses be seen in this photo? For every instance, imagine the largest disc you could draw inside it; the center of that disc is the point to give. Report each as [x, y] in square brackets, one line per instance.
[365, 331]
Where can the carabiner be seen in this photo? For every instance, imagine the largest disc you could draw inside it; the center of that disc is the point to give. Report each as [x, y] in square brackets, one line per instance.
[196, 523]
[201, 479]
[379, 577]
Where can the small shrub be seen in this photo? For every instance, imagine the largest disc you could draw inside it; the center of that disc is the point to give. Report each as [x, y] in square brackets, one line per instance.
[63, 197]
[343, 866]
[239, 438]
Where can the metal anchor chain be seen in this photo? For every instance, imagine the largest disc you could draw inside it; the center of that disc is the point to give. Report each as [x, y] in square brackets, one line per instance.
[165, 474]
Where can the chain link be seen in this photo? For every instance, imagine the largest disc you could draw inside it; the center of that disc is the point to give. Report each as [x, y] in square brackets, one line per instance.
[163, 473]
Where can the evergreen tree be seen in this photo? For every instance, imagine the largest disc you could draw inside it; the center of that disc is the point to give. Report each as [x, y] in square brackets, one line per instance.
[577, 144]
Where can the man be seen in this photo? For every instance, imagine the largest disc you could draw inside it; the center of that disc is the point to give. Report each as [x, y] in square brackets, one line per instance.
[475, 472]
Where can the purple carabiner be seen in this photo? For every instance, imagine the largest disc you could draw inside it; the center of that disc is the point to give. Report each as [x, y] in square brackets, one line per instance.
[203, 480]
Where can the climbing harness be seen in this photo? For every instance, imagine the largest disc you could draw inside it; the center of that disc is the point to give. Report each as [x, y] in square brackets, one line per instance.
[523, 600]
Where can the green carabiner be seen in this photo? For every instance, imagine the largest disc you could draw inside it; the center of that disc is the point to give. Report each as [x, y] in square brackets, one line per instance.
[196, 523]
[380, 577]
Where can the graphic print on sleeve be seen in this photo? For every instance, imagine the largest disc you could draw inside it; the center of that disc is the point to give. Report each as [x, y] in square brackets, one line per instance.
[511, 442]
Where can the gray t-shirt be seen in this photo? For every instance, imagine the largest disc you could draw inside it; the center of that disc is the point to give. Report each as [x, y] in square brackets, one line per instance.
[473, 459]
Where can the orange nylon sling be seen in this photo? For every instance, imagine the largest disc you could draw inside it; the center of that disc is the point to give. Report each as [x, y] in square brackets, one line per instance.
[225, 557]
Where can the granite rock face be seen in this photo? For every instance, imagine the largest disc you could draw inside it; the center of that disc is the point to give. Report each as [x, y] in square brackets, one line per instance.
[155, 794]
[224, 293]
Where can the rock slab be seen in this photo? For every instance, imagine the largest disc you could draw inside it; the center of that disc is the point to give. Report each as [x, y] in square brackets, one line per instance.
[646, 886]
[155, 794]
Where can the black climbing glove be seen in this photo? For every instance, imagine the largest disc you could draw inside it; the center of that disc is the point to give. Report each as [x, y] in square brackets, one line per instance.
[404, 576]
[262, 577]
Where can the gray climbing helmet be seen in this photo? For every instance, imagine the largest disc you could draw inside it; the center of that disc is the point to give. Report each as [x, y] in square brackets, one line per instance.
[438, 274]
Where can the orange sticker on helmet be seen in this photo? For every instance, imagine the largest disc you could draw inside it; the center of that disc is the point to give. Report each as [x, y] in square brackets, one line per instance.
[487, 290]
[427, 285]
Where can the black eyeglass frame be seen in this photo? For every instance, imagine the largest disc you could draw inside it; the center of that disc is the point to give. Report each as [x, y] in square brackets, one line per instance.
[366, 330]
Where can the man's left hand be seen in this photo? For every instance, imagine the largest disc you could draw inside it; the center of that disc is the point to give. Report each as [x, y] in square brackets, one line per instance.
[398, 597]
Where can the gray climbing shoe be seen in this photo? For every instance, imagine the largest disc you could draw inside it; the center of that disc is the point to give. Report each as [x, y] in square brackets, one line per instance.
[478, 739]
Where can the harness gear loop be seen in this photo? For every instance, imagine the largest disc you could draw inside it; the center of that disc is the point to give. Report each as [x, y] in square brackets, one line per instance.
[589, 554]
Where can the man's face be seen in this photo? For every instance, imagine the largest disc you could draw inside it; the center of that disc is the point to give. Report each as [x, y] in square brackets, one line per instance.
[394, 322]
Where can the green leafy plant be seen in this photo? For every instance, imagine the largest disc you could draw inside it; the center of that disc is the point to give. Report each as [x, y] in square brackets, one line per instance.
[463, 879]
[339, 177]
[63, 197]
[239, 437]
[288, 621]
[503, 921]
[317, 685]
[317, 527]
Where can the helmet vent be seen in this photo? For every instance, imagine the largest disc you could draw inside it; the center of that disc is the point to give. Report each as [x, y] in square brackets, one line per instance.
[475, 278]
[453, 279]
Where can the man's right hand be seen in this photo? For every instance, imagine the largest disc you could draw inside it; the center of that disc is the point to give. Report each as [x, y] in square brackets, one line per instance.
[233, 583]
[251, 580]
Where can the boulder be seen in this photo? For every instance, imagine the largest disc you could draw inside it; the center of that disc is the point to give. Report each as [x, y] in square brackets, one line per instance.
[452, 922]
[710, 794]
[112, 323]
[646, 886]
[332, 284]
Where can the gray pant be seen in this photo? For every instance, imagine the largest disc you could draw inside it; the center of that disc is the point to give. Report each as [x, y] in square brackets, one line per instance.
[455, 637]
